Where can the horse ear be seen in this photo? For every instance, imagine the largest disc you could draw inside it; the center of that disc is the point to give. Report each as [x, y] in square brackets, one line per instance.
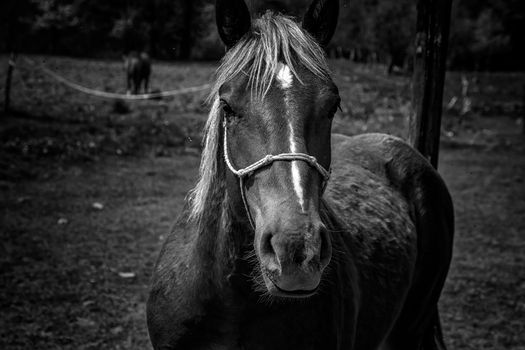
[321, 20]
[233, 20]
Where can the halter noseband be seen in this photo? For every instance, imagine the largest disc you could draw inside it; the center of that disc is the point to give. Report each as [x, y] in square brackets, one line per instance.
[266, 161]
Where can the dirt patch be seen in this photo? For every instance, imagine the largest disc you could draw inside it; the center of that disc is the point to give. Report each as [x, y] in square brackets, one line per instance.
[78, 250]
[483, 304]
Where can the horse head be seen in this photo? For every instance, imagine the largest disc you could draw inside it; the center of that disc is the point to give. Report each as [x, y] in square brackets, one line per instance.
[276, 102]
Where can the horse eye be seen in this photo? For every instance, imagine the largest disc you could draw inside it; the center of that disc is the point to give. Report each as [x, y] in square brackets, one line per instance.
[334, 109]
[227, 109]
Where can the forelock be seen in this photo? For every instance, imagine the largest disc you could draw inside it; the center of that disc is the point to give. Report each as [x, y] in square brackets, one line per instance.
[275, 39]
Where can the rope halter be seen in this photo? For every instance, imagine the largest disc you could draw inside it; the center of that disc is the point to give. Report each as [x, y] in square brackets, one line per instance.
[268, 160]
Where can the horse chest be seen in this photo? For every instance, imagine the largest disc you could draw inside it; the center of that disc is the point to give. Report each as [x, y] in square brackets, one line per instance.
[307, 331]
[325, 322]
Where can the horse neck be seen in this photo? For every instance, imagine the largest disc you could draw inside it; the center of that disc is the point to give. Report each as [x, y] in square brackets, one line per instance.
[219, 243]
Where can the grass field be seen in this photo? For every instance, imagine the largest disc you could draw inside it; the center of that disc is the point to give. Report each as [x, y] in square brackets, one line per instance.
[89, 188]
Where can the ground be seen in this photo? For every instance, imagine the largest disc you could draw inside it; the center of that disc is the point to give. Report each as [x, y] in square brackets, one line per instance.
[89, 188]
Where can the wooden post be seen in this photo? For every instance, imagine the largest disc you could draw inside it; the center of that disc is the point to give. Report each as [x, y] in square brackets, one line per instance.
[13, 16]
[432, 30]
[523, 112]
[8, 79]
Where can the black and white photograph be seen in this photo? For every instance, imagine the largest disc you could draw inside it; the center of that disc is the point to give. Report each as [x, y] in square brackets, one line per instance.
[262, 174]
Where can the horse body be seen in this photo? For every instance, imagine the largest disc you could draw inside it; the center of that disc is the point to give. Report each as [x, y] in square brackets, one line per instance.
[268, 254]
[138, 70]
[372, 217]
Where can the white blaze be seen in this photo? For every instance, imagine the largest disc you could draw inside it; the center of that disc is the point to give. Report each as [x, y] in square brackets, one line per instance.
[296, 175]
[285, 78]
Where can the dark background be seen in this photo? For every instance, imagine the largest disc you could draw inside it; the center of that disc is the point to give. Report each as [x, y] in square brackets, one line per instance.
[485, 35]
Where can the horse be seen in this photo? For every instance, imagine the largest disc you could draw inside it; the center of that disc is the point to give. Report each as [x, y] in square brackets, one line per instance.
[138, 70]
[294, 238]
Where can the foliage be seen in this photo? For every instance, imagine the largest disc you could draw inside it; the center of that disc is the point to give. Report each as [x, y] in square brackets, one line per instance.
[395, 22]
[484, 34]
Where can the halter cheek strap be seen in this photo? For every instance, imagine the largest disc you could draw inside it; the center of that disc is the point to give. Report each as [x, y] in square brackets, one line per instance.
[264, 162]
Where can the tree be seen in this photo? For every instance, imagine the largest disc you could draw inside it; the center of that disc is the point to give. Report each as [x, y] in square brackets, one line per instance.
[14, 18]
[54, 17]
[395, 29]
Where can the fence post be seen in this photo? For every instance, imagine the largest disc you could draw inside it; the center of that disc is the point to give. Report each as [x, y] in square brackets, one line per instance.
[523, 112]
[8, 79]
[432, 30]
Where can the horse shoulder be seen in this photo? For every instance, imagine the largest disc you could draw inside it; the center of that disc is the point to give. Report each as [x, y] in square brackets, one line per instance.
[421, 185]
[169, 304]
[391, 161]
[418, 182]
[174, 304]
[433, 214]
[431, 209]
[185, 309]
[406, 169]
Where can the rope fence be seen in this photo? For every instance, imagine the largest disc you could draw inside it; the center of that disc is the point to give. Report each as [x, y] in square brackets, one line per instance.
[112, 95]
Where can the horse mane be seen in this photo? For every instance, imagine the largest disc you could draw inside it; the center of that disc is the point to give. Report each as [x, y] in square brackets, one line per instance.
[274, 39]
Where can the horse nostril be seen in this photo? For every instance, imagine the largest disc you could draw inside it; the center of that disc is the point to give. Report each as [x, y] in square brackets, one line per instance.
[298, 257]
[268, 254]
[266, 245]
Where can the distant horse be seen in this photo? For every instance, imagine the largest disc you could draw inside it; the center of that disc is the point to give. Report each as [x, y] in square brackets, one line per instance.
[276, 251]
[138, 70]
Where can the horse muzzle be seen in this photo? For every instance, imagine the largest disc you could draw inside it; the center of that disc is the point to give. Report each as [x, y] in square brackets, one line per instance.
[293, 260]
